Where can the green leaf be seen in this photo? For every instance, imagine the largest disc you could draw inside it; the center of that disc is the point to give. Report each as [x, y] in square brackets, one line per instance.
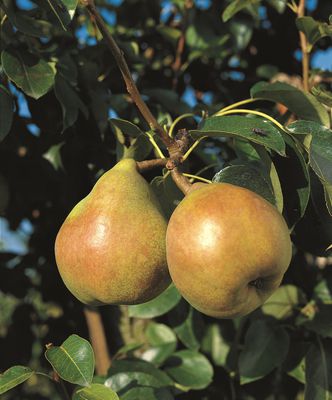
[313, 30]
[7, 111]
[168, 99]
[265, 348]
[323, 290]
[163, 342]
[321, 322]
[147, 393]
[158, 306]
[320, 154]
[71, 6]
[237, 5]
[319, 371]
[33, 75]
[73, 360]
[136, 365]
[242, 127]
[322, 95]
[247, 177]
[126, 127]
[187, 324]
[53, 155]
[122, 381]
[61, 12]
[170, 34]
[24, 22]
[304, 105]
[294, 177]
[95, 392]
[14, 376]
[283, 302]
[70, 102]
[320, 145]
[215, 344]
[190, 368]
[294, 364]
[279, 5]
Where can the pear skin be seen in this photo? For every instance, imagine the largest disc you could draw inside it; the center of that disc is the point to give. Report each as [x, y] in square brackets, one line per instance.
[111, 247]
[227, 249]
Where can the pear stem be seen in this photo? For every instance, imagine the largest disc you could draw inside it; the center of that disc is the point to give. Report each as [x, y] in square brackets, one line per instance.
[98, 340]
[124, 69]
[146, 165]
[181, 181]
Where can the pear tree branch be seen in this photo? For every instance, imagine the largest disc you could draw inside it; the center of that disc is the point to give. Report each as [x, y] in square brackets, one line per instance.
[124, 69]
[98, 340]
[304, 48]
[146, 165]
[175, 147]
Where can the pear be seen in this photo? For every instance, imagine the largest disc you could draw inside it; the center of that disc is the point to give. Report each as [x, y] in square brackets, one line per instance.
[111, 247]
[227, 249]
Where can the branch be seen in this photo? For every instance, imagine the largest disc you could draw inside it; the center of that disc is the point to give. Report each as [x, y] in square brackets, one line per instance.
[176, 148]
[146, 165]
[304, 47]
[181, 181]
[181, 42]
[98, 340]
[124, 69]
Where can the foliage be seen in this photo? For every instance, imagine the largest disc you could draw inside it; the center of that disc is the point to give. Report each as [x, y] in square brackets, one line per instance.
[66, 118]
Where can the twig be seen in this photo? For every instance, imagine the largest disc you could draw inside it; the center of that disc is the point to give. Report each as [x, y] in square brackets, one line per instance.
[146, 165]
[181, 181]
[124, 69]
[304, 48]
[98, 340]
[181, 42]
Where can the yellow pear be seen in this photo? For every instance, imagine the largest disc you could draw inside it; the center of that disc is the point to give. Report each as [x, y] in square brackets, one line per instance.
[111, 247]
[227, 249]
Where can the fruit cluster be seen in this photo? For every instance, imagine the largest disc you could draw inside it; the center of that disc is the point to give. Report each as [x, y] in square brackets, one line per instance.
[225, 248]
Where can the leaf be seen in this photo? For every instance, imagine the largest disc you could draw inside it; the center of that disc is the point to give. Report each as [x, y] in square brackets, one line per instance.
[319, 371]
[283, 302]
[188, 324]
[95, 392]
[24, 22]
[237, 5]
[73, 360]
[214, 343]
[247, 177]
[279, 5]
[158, 306]
[322, 95]
[123, 381]
[242, 127]
[147, 393]
[163, 342]
[304, 105]
[266, 346]
[313, 30]
[61, 12]
[126, 127]
[14, 376]
[190, 368]
[293, 173]
[136, 365]
[321, 322]
[33, 75]
[53, 155]
[71, 6]
[70, 102]
[320, 153]
[7, 111]
[168, 99]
